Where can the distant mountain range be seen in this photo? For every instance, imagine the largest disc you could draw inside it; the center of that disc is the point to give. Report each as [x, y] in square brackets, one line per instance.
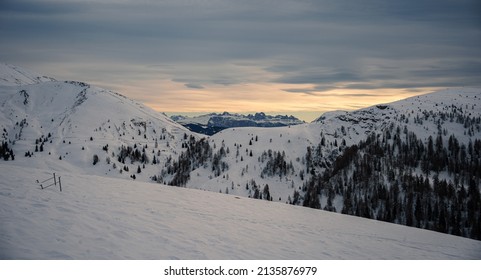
[210, 124]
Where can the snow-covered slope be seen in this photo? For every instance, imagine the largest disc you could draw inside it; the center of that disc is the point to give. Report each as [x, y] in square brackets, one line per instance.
[102, 218]
[58, 124]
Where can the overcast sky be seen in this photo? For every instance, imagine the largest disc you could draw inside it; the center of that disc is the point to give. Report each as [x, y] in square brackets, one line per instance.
[249, 55]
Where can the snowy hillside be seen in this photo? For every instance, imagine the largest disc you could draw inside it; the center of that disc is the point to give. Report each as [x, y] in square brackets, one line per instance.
[70, 125]
[212, 123]
[102, 218]
[420, 166]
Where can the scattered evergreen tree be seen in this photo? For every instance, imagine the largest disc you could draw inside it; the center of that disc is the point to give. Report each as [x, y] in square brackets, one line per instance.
[95, 159]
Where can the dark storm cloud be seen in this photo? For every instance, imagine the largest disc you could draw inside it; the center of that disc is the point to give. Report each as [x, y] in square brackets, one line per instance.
[326, 44]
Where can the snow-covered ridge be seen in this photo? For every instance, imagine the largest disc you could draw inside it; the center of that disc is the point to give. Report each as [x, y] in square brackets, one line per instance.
[11, 75]
[378, 115]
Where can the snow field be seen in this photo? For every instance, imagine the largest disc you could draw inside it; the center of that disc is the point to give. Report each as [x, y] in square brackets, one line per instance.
[103, 218]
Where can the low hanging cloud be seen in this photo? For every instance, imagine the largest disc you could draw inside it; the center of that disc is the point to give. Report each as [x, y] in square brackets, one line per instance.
[193, 86]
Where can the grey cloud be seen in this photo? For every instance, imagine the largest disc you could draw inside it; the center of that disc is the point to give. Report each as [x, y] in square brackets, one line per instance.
[457, 69]
[411, 86]
[197, 78]
[402, 85]
[448, 12]
[194, 86]
[301, 90]
[317, 91]
[317, 77]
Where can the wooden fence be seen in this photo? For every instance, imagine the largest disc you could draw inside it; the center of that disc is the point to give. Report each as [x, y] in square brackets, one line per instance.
[52, 181]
